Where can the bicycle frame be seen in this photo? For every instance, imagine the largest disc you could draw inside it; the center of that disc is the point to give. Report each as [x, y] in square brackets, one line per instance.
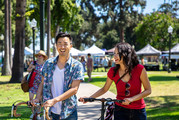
[102, 100]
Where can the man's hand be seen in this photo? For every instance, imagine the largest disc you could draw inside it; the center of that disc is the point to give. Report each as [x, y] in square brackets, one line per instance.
[49, 103]
[34, 101]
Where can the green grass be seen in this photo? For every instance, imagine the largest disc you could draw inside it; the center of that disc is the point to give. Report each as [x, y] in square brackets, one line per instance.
[162, 104]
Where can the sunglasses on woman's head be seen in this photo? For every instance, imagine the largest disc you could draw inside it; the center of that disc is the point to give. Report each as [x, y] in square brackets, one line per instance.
[127, 92]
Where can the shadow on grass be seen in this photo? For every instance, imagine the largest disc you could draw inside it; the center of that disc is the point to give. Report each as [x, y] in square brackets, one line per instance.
[163, 78]
[152, 78]
[5, 113]
[96, 79]
[162, 107]
[1, 83]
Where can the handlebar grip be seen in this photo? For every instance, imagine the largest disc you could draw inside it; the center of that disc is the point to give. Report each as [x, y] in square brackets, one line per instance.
[89, 99]
[120, 101]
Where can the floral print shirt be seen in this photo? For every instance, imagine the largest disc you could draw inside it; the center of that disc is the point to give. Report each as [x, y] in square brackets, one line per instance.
[73, 71]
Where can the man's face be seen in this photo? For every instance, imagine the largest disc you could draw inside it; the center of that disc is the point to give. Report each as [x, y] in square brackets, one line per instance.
[63, 46]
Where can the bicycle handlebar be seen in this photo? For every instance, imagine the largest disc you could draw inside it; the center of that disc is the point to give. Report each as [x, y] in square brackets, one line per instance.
[15, 106]
[102, 100]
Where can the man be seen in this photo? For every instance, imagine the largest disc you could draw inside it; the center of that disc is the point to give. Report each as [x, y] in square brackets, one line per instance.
[89, 67]
[60, 81]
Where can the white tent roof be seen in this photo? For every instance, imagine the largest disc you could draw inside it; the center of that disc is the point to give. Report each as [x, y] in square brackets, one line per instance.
[74, 52]
[27, 51]
[93, 50]
[148, 50]
[174, 50]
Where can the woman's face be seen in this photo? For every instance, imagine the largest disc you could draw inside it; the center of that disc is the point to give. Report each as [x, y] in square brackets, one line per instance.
[40, 57]
[116, 57]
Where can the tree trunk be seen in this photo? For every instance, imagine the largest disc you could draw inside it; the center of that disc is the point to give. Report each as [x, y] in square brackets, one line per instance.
[48, 28]
[121, 26]
[53, 43]
[18, 60]
[10, 35]
[6, 65]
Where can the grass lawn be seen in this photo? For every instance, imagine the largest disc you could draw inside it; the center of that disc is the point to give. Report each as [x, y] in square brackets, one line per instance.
[162, 104]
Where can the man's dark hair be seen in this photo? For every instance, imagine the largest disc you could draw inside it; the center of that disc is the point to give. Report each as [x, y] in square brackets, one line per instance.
[89, 54]
[61, 35]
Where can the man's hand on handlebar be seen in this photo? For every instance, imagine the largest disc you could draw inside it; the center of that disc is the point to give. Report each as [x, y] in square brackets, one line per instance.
[34, 101]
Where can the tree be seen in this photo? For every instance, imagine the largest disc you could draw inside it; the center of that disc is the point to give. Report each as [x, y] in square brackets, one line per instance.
[18, 60]
[153, 29]
[64, 16]
[88, 33]
[169, 7]
[6, 65]
[121, 12]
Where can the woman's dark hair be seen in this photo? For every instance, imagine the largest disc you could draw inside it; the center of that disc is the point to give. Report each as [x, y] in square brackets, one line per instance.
[61, 35]
[129, 57]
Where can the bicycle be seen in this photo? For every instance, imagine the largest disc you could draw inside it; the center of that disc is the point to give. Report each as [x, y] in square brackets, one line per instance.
[103, 105]
[35, 113]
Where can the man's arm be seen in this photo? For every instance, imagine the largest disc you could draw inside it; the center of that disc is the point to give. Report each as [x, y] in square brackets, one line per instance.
[72, 91]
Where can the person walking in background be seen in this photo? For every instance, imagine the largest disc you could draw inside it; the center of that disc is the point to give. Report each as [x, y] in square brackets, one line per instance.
[129, 76]
[83, 63]
[105, 63]
[113, 62]
[60, 82]
[89, 67]
[41, 57]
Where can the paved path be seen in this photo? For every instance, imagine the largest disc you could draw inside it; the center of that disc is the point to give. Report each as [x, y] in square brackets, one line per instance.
[90, 111]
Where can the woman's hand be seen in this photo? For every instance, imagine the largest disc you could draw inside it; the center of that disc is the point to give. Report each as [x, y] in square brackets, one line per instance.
[31, 66]
[127, 101]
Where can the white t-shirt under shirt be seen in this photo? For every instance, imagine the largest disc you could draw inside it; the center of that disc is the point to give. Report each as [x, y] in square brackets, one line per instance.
[57, 88]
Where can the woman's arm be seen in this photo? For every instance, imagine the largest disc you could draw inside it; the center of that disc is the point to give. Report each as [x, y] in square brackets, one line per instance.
[147, 89]
[101, 91]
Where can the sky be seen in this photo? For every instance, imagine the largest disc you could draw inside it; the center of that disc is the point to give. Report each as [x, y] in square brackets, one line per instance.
[153, 4]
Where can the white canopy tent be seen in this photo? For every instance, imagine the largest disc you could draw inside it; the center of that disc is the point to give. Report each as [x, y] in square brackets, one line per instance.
[93, 50]
[74, 52]
[174, 50]
[148, 50]
[27, 51]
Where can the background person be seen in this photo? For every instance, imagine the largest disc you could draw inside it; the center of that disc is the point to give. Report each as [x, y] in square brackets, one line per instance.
[105, 63]
[89, 67]
[83, 63]
[131, 76]
[41, 57]
[60, 82]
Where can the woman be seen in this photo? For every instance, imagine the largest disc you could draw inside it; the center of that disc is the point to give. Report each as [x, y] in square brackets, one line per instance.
[41, 57]
[83, 63]
[131, 76]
